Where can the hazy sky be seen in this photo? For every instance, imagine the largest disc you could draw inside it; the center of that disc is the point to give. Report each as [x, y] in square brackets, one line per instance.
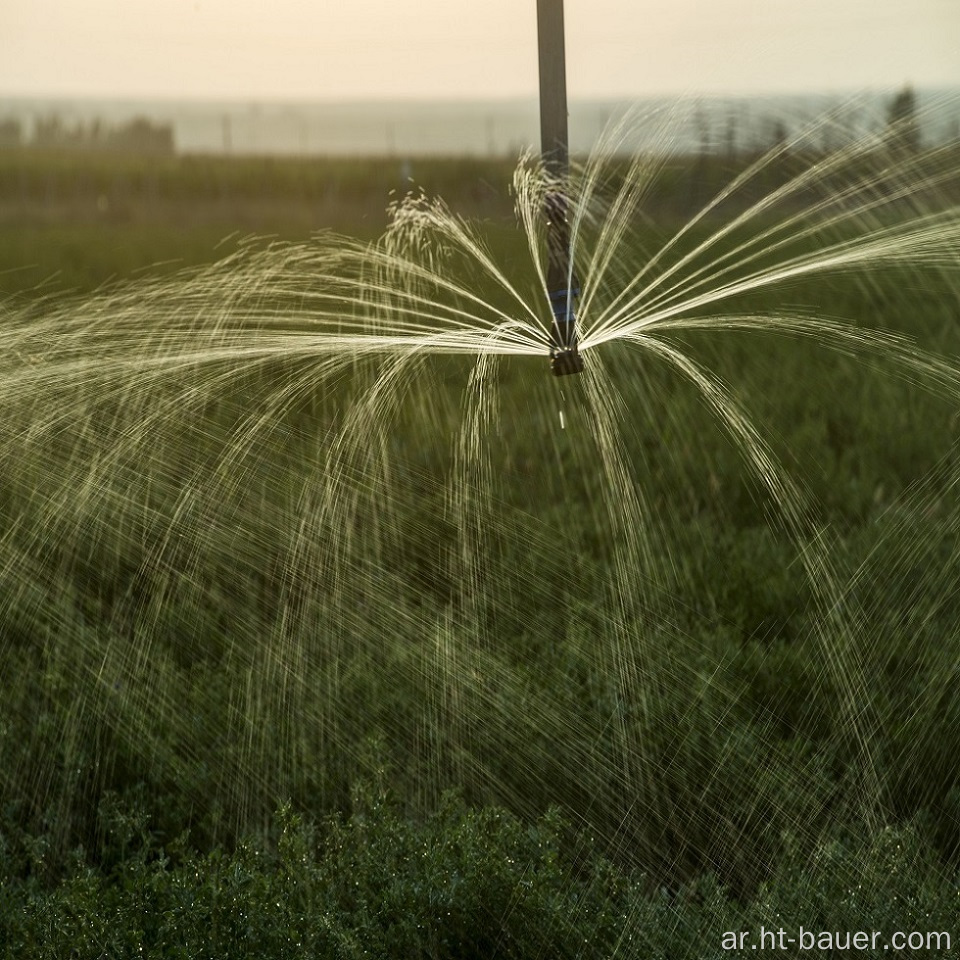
[334, 49]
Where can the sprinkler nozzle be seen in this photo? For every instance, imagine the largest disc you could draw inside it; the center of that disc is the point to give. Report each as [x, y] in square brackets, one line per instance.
[565, 362]
[564, 352]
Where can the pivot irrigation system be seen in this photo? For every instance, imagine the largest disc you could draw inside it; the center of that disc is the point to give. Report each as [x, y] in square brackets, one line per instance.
[562, 285]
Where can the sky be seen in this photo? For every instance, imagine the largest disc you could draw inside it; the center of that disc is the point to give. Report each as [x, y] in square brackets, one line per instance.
[476, 49]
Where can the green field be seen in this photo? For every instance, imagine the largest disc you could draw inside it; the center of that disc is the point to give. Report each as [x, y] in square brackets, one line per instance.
[398, 667]
[75, 221]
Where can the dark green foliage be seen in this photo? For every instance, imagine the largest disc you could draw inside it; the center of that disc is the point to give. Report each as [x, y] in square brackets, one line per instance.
[461, 884]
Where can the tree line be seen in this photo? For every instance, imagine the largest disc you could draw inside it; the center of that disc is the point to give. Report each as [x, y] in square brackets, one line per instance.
[139, 135]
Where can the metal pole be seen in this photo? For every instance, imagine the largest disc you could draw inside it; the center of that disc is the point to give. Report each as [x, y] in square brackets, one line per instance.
[562, 286]
[553, 86]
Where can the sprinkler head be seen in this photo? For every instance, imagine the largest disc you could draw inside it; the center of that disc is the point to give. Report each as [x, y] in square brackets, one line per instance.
[565, 362]
[564, 352]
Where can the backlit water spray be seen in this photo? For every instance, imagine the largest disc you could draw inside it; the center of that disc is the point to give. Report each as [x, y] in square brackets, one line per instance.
[305, 516]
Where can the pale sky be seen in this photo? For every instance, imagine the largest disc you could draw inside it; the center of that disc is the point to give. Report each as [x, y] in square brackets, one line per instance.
[480, 49]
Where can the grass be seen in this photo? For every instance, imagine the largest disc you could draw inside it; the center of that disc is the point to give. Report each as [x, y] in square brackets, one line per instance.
[74, 221]
[631, 780]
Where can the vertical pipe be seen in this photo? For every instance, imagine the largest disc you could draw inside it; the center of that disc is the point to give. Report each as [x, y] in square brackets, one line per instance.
[553, 87]
[562, 286]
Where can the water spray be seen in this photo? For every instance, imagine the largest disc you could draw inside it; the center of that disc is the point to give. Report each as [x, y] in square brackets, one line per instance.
[562, 286]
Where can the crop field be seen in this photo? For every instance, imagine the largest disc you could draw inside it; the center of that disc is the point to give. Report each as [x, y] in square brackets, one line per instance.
[332, 625]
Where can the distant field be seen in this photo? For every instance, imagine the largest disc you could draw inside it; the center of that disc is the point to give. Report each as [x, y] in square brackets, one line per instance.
[75, 221]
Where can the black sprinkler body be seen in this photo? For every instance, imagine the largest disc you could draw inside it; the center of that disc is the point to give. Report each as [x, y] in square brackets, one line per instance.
[564, 353]
[563, 288]
[565, 362]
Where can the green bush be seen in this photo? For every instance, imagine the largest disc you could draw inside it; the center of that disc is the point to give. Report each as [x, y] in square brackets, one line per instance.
[463, 883]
